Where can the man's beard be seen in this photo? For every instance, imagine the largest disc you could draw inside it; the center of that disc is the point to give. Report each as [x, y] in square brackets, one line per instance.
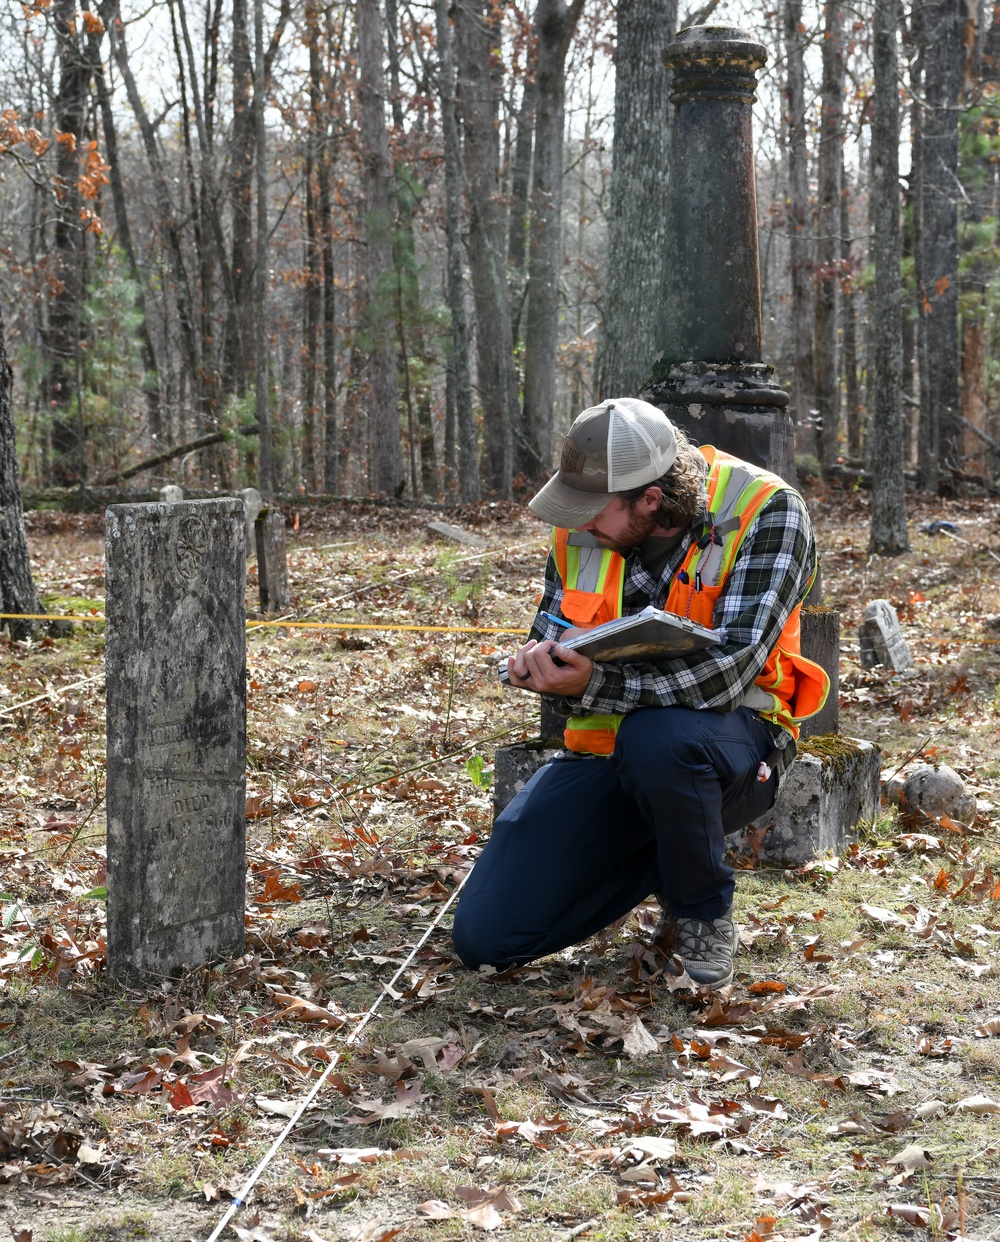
[640, 527]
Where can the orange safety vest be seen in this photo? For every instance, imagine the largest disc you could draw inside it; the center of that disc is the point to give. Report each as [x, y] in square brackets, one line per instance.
[593, 580]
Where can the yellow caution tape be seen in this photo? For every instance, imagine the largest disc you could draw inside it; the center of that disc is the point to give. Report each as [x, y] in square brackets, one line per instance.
[424, 629]
[300, 625]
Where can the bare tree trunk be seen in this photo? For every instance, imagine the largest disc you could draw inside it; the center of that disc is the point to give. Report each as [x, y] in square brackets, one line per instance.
[312, 308]
[461, 451]
[517, 223]
[331, 430]
[331, 448]
[68, 287]
[190, 346]
[261, 403]
[799, 220]
[976, 274]
[849, 334]
[124, 235]
[888, 526]
[555, 23]
[238, 359]
[385, 466]
[204, 265]
[478, 89]
[17, 587]
[637, 220]
[238, 369]
[944, 64]
[831, 141]
[911, 377]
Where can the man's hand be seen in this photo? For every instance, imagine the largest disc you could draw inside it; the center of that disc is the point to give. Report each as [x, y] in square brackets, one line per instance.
[533, 668]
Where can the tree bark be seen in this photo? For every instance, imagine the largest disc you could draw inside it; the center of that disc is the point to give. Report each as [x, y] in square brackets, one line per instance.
[237, 369]
[238, 360]
[637, 220]
[555, 23]
[800, 258]
[461, 451]
[888, 525]
[944, 66]
[123, 238]
[17, 586]
[831, 139]
[849, 335]
[68, 261]
[266, 479]
[478, 95]
[517, 222]
[385, 463]
[312, 302]
[190, 346]
[331, 436]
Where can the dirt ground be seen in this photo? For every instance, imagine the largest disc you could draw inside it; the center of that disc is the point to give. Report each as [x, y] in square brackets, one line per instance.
[846, 1085]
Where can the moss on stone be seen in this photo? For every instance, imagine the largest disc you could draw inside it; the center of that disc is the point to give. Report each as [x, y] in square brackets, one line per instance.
[833, 750]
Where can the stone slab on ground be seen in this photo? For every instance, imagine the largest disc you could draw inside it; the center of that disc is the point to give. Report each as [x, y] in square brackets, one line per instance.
[176, 734]
[832, 787]
[272, 560]
[442, 530]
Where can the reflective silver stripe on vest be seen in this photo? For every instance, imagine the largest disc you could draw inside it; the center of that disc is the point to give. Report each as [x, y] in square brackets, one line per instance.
[590, 569]
[710, 562]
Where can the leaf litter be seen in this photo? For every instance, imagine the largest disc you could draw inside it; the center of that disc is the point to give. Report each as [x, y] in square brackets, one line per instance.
[502, 1103]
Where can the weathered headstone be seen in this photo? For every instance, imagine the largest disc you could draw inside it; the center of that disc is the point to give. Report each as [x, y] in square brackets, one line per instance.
[252, 503]
[176, 734]
[272, 560]
[171, 494]
[456, 535]
[819, 633]
[881, 638]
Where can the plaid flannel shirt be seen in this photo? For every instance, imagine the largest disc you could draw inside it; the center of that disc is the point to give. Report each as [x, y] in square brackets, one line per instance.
[769, 577]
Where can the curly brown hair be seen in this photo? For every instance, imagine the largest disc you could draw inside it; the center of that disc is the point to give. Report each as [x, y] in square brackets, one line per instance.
[683, 487]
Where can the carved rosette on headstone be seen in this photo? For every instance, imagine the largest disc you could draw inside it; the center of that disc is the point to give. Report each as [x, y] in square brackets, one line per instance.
[709, 376]
[176, 734]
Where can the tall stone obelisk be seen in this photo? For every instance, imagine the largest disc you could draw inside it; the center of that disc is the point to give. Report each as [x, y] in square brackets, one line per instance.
[709, 375]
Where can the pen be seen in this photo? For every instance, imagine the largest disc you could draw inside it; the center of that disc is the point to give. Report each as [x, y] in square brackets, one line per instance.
[567, 625]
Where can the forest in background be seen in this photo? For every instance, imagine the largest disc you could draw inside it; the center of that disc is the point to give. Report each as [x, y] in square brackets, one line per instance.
[390, 247]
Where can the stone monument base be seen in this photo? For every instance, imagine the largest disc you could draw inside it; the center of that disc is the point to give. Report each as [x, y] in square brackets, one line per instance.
[831, 788]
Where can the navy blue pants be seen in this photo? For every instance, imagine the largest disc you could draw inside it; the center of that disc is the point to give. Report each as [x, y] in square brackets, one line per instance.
[588, 838]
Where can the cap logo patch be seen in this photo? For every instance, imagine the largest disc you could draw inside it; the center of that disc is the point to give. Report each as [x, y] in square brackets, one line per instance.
[573, 458]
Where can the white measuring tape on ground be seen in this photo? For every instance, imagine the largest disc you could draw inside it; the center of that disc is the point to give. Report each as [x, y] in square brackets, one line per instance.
[248, 1185]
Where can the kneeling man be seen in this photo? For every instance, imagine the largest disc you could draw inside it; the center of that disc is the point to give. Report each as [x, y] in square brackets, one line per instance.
[665, 757]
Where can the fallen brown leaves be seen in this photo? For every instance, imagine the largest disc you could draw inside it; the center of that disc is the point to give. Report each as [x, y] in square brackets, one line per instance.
[805, 1083]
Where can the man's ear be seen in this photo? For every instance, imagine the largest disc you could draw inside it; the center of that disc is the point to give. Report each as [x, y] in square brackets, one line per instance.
[651, 498]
